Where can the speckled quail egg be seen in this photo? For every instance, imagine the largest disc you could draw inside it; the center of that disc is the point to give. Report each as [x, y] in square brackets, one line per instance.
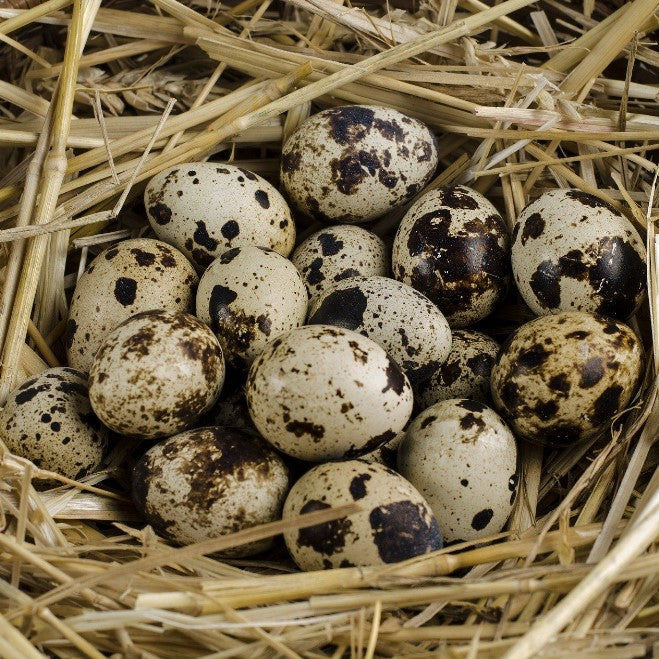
[49, 420]
[354, 163]
[395, 522]
[327, 393]
[249, 296]
[156, 374]
[209, 482]
[130, 277]
[387, 454]
[205, 209]
[465, 373]
[573, 252]
[463, 459]
[337, 253]
[403, 321]
[453, 247]
[561, 378]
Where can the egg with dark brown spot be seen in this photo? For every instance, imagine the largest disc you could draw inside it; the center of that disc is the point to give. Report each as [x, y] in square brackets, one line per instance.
[156, 374]
[394, 524]
[401, 320]
[130, 277]
[354, 163]
[465, 373]
[327, 393]
[48, 419]
[573, 252]
[206, 208]
[249, 296]
[453, 247]
[337, 253]
[561, 379]
[462, 457]
[210, 482]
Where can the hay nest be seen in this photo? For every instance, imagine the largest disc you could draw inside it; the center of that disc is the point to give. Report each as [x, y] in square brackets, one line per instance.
[524, 97]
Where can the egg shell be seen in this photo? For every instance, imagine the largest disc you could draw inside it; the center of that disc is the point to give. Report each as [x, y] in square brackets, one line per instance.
[337, 253]
[387, 454]
[156, 374]
[210, 482]
[354, 163]
[327, 393]
[571, 251]
[462, 457]
[49, 420]
[249, 296]
[125, 279]
[453, 247]
[465, 373]
[561, 379]
[401, 320]
[204, 209]
[395, 522]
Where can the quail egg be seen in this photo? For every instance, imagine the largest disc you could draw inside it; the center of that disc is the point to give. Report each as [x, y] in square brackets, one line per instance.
[204, 209]
[354, 163]
[327, 393]
[249, 296]
[156, 374]
[130, 277]
[463, 459]
[403, 321]
[210, 482]
[573, 252]
[562, 378]
[49, 420]
[465, 373]
[453, 247]
[337, 253]
[395, 522]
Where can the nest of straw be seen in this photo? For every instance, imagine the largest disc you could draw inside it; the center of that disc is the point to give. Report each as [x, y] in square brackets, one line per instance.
[97, 97]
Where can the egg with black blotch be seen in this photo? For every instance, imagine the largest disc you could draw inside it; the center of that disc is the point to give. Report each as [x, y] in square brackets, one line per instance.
[48, 419]
[322, 393]
[353, 163]
[156, 374]
[339, 252]
[453, 246]
[571, 251]
[130, 277]
[561, 379]
[210, 482]
[206, 208]
[465, 373]
[394, 524]
[249, 296]
[462, 458]
[401, 320]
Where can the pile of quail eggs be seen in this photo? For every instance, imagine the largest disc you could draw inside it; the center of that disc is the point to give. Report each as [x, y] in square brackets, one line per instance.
[232, 354]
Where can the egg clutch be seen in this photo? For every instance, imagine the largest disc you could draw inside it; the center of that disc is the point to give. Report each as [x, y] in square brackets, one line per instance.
[262, 378]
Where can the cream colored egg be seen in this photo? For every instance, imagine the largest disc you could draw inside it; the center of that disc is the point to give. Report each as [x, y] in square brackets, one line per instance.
[326, 393]
[398, 318]
[452, 245]
[125, 279]
[156, 374]
[573, 252]
[49, 420]
[465, 373]
[354, 163]
[562, 378]
[210, 482]
[337, 253]
[249, 296]
[395, 522]
[463, 459]
[204, 209]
